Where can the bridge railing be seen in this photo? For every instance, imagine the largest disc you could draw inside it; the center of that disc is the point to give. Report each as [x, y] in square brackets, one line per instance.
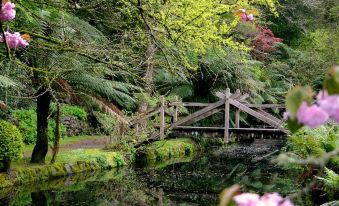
[227, 100]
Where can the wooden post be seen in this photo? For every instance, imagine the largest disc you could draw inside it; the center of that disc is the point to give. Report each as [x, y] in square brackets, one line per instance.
[175, 116]
[227, 115]
[237, 113]
[162, 117]
[160, 198]
[237, 118]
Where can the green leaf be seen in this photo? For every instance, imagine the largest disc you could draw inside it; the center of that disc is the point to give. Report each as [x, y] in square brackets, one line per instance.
[295, 97]
[293, 125]
[331, 83]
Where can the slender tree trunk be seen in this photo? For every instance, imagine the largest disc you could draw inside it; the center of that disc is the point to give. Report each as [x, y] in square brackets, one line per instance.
[6, 165]
[57, 134]
[41, 146]
[149, 75]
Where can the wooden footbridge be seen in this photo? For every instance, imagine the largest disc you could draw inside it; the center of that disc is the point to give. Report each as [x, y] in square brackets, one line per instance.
[183, 125]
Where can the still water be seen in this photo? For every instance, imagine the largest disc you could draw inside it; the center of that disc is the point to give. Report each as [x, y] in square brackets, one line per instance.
[192, 181]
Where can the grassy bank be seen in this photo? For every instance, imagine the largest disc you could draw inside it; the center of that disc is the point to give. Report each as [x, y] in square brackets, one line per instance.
[71, 162]
[167, 150]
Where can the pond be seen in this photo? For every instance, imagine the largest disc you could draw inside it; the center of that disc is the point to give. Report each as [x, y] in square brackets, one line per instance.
[195, 181]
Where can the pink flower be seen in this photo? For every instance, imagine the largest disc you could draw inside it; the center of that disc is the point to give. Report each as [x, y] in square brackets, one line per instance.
[242, 10]
[244, 17]
[329, 103]
[287, 203]
[246, 199]
[312, 116]
[286, 115]
[14, 40]
[7, 12]
[250, 17]
[269, 199]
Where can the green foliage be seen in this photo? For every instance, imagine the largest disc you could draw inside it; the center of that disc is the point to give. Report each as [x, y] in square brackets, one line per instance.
[70, 110]
[11, 144]
[331, 180]
[75, 111]
[332, 80]
[314, 142]
[27, 125]
[108, 123]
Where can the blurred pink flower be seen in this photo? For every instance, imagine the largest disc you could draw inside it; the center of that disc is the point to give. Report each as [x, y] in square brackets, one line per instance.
[286, 115]
[246, 199]
[311, 116]
[269, 199]
[250, 17]
[14, 40]
[244, 17]
[287, 203]
[330, 104]
[7, 12]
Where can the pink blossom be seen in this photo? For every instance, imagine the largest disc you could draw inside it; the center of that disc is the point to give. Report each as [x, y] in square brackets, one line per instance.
[329, 103]
[244, 17]
[250, 17]
[287, 203]
[286, 115]
[246, 199]
[242, 10]
[269, 199]
[7, 12]
[14, 40]
[311, 116]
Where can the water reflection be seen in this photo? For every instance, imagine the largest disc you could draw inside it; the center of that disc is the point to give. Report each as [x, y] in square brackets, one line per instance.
[187, 183]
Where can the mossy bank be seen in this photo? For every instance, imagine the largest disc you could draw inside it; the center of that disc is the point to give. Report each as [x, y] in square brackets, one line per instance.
[76, 161]
[167, 151]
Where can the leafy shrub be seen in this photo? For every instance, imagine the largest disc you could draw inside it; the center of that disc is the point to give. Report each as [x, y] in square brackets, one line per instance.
[11, 144]
[331, 180]
[75, 111]
[314, 142]
[27, 125]
[107, 122]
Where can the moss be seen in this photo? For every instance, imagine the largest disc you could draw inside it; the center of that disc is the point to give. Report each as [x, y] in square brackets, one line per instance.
[76, 161]
[163, 150]
[5, 180]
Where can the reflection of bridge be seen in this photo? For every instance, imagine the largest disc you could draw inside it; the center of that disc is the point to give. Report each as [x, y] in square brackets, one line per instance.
[226, 101]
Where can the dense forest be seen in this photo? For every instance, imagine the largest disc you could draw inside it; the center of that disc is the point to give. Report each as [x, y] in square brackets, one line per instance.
[88, 67]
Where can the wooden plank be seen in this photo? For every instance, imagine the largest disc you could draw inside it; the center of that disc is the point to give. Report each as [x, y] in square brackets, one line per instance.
[256, 114]
[162, 116]
[237, 118]
[195, 104]
[142, 117]
[203, 116]
[265, 106]
[243, 97]
[222, 129]
[227, 115]
[233, 96]
[175, 116]
[189, 104]
[266, 114]
[198, 113]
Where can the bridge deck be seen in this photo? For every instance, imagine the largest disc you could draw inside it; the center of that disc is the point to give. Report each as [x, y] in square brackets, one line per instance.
[234, 130]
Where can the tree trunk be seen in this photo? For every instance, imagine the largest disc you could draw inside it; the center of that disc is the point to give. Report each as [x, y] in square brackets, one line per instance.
[41, 145]
[6, 163]
[149, 75]
[57, 134]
